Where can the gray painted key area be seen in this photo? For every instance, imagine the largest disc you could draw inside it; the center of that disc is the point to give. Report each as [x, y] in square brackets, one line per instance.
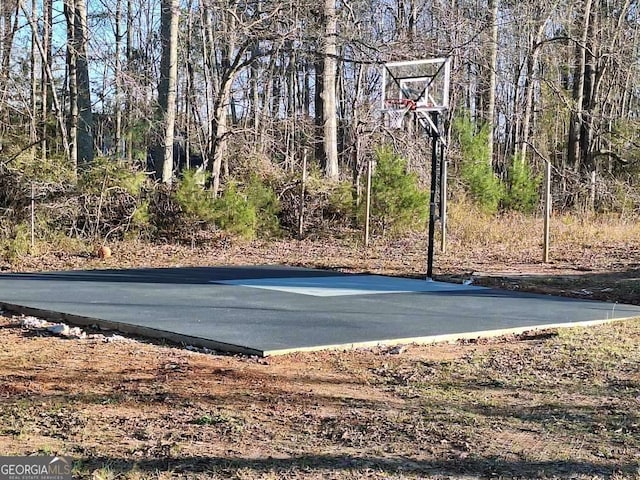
[271, 310]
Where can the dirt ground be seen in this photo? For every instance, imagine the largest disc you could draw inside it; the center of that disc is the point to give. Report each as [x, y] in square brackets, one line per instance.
[556, 404]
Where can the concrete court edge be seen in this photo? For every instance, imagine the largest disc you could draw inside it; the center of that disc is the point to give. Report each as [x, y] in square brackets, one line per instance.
[183, 339]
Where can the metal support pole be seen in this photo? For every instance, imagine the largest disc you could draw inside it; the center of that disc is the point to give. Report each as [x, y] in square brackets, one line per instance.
[432, 196]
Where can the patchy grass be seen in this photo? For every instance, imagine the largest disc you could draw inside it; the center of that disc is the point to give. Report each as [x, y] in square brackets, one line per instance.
[587, 242]
[562, 404]
[576, 394]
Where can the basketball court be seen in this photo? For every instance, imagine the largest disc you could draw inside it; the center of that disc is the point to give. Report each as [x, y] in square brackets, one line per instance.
[273, 310]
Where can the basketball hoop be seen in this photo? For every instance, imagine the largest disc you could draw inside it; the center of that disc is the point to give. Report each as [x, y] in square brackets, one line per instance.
[422, 88]
[396, 109]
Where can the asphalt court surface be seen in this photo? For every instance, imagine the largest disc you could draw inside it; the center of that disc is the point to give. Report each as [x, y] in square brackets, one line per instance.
[272, 310]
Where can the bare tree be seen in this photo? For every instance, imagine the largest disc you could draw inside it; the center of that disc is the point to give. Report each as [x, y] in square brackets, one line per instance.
[490, 113]
[231, 61]
[170, 15]
[575, 125]
[48, 74]
[533, 56]
[129, 107]
[329, 96]
[117, 94]
[33, 60]
[8, 28]
[46, 93]
[81, 121]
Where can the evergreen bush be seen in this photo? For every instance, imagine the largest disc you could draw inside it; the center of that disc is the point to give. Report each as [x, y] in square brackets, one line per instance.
[522, 194]
[340, 208]
[54, 169]
[397, 202]
[196, 204]
[266, 205]
[110, 175]
[234, 214]
[484, 187]
[141, 220]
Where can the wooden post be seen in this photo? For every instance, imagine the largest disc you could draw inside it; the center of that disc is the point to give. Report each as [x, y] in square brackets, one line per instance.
[547, 212]
[593, 191]
[367, 211]
[303, 184]
[33, 217]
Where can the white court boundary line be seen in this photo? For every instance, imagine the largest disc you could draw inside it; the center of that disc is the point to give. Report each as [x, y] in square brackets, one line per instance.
[337, 286]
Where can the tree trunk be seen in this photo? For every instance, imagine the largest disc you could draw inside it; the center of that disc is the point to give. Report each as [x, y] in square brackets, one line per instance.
[306, 90]
[72, 66]
[45, 84]
[85, 114]
[221, 130]
[412, 27]
[356, 137]
[265, 105]
[50, 79]
[532, 67]
[129, 102]
[231, 59]
[255, 108]
[575, 123]
[493, 66]
[85, 126]
[329, 112]
[589, 95]
[168, 82]
[118, 81]
[33, 125]
[318, 103]
[8, 28]
[79, 87]
[189, 97]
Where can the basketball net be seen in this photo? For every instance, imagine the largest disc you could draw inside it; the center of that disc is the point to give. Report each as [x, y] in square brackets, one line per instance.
[396, 109]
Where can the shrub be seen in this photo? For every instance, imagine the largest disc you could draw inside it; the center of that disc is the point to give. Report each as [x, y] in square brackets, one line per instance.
[266, 205]
[109, 194]
[20, 243]
[244, 211]
[522, 194]
[484, 187]
[109, 175]
[141, 221]
[54, 169]
[234, 214]
[328, 205]
[340, 206]
[196, 204]
[397, 203]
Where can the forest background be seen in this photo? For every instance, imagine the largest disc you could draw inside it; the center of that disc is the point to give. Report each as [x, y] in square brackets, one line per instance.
[164, 120]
